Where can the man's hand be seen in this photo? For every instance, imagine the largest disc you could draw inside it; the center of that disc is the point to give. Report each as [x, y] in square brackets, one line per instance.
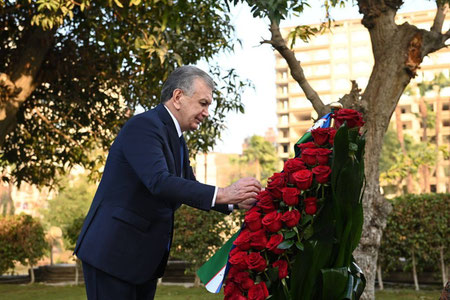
[244, 189]
[247, 204]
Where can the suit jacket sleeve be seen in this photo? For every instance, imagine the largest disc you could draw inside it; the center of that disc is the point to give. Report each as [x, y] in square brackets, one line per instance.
[146, 148]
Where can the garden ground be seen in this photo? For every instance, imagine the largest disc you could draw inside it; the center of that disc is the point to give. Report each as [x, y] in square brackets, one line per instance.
[46, 292]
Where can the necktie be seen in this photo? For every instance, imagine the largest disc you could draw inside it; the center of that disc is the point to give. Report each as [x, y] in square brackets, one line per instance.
[182, 154]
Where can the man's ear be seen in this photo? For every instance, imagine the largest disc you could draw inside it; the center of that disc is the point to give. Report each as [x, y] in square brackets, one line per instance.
[176, 98]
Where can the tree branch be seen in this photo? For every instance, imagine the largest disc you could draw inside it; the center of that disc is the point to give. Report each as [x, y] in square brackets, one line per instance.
[439, 18]
[48, 122]
[297, 73]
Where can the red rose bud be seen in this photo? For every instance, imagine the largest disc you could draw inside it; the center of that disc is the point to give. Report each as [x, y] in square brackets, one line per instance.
[322, 173]
[322, 155]
[243, 240]
[239, 260]
[309, 156]
[272, 221]
[273, 243]
[290, 195]
[282, 268]
[310, 205]
[276, 183]
[265, 202]
[307, 145]
[253, 221]
[291, 166]
[291, 218]
[332, 134]
[256, 262]
[258, 292]
[320, 135]
[303, 179]
[353, 118]
[258, 239]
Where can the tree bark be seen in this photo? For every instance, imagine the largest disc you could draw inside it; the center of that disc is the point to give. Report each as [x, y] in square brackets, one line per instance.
[380, 278]
[18, 82]
[32, 279]
[416, 281]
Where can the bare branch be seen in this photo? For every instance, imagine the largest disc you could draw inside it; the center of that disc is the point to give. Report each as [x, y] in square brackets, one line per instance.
[439, 18]
[297, 73]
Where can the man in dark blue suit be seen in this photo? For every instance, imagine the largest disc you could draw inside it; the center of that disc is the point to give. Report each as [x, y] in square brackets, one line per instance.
[125, 240]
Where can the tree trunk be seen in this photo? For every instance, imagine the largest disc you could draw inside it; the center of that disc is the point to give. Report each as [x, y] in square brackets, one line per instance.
[22, 78]
[416, 281]
[196, 281]
[440, 175]
[32, 279]
[258, 170]
[380, 278]
[443, 269]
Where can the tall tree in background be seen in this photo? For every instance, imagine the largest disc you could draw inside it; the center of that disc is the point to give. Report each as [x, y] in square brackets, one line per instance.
[72, 72]
[259, 158]
[398, 51]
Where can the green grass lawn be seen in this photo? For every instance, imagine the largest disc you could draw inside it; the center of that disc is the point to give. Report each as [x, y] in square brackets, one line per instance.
[45, 292]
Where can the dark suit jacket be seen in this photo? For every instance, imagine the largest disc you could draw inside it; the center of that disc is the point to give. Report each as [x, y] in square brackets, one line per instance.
[129, 225]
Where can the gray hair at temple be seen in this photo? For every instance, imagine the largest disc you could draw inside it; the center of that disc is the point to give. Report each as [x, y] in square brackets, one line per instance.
[183, 78]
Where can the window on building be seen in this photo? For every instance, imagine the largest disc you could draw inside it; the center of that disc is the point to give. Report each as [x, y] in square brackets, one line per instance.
[285, 133]
[433, 188]
[284, 119]
[285, 148]
[445, 107]
[446, 123]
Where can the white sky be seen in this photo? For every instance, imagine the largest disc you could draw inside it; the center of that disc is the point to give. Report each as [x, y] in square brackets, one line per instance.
[257, 63]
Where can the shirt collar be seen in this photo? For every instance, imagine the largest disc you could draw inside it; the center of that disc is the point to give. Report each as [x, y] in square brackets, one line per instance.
[177, 125]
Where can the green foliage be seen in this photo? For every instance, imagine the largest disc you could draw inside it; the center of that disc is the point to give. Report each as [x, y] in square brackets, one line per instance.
[263, 154]
[395, 166]
[417, 223]
[70, 206]
[197, 234]
[73, 231]
[21, 240]
[107, 59]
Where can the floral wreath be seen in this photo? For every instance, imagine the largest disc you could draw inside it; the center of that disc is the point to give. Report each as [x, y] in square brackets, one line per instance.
[297, 241]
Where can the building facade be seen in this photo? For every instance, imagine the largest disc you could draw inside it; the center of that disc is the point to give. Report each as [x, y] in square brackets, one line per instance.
[331, 60]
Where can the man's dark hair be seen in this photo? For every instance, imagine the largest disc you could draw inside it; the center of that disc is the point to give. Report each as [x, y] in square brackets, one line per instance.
[183, 78]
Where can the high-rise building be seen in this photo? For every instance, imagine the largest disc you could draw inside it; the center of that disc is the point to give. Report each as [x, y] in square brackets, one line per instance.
[331, 60]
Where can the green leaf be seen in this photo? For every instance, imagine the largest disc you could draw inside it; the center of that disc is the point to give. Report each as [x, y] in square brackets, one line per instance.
[334, 283]
[285, 245]
[299, 246]
[289, 234]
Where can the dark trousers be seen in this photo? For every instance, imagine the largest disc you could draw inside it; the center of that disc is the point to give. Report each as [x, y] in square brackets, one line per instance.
[102, 286]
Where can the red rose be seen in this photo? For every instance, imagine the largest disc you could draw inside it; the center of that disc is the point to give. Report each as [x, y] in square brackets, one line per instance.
[258, 239]
[258, 292]
[332, 134]
[275, 184]
[239, 260]
[237, 296]
[256, 262]
[303, 179]
[291, 218]
[253, 221]
[234, 251]
[233, 271]
[353, 118]
[290, 196]
[230, 289]
[253, 209]
[282, 268]
[320, 135]
[291, 166]
[307, 145]
[243, 280]
[322, 173]
[272, 221]
[273, 243]
[322, 155]
[243, 240]
[265, 201]
[311, 205]
[309, 156]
